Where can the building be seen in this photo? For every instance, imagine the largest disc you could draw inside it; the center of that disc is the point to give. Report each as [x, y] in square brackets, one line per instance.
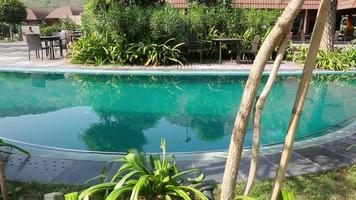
[73, 12]
[35, 16]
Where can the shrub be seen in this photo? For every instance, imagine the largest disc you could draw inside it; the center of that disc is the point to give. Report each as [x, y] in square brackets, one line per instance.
[167, 22]
[67, 23]
[142, 178]
[151, 26]
[97, 49]
[340, 59]
[154, 54]
[47, 30]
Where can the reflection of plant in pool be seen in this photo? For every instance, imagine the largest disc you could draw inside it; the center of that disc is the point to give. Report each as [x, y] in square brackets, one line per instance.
[154, 178]
[118, 132]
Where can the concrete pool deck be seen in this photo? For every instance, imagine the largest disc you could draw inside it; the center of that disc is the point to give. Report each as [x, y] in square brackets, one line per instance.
[14, 56]
[307, 157]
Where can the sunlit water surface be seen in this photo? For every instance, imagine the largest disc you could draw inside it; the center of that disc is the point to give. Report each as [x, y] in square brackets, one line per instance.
[193, 113]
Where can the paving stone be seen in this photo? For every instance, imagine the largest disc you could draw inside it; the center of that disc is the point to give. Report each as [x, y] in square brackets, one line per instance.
[21, 168]
[297, 164]
[213, 169]
[323, 157]
[265, 169]
[350, 139]
[342, 148]
[79, 171]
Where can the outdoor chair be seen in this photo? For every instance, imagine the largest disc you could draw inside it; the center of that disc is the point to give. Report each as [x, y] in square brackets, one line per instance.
[194, 45]
[34, 43]
[63, 38]
[253, 50]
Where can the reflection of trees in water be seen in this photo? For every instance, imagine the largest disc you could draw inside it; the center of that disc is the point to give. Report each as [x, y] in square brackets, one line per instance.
[205, 104]
[127, 106]
[118, 133]
[26, 93]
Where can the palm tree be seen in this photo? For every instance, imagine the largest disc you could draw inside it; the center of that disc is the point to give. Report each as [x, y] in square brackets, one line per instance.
[3, 184]
[327, 40]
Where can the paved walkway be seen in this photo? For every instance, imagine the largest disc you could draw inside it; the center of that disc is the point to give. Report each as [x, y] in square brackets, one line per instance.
[14, 56]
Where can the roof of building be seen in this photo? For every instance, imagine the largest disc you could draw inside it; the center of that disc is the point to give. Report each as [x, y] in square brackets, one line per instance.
[272, 4]
[64, 11]
[35, 14]
[346, 4]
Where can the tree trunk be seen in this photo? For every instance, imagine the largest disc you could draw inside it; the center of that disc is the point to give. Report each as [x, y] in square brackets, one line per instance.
[248, 96]
[3, 184]
[301, 95]
[327, 40]
[258, 112]
[11, 35]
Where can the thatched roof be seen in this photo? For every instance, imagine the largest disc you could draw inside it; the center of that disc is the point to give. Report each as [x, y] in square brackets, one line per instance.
[35, 14]
[64, 11]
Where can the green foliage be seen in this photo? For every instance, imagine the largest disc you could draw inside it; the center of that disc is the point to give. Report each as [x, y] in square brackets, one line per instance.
[97, 49]
[4, 144]
[338, 60]
[148, 177]
[12, 11]
[154, 54]
[148, 28]
[167, 22]
[67, 23]
[47, 30]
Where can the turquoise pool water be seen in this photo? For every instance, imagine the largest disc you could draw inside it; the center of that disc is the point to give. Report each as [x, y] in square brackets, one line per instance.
[193, 113]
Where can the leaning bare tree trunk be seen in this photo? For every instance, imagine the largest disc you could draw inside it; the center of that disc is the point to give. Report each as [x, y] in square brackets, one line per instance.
[327, 40]
[3, 184]
[241, 121]
[301, 95]
[258, 112]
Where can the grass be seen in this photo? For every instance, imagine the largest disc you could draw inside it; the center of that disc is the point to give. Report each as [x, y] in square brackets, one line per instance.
[339, 184]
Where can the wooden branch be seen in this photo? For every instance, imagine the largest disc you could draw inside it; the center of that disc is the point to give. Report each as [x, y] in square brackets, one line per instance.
[259, 106]
[301, 95]
[248, 96]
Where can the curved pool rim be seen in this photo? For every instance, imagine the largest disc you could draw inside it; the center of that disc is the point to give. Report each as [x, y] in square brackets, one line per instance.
[47, 151]
[327, 135]
[162, 72]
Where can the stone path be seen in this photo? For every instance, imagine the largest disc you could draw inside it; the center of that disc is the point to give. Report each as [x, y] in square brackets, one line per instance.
[14, 55]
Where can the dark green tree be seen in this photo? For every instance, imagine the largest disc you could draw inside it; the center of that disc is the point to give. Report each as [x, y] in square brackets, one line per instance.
[12, 12]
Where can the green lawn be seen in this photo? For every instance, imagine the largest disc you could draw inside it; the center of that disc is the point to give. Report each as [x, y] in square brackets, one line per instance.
[338, 184]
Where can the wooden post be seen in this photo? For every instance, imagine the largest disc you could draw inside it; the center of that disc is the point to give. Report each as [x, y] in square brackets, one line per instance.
[305, 22]
[259, 105]
[301, 96]
[3, 184]
[249, 94]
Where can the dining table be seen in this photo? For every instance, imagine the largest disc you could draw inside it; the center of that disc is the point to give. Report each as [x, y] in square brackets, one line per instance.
[49, 40]
[232, 41]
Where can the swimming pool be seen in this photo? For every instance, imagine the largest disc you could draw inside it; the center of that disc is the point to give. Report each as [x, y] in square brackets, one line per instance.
[114, 113]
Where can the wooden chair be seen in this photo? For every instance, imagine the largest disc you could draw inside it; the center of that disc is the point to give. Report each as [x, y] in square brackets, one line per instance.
[194, 45]
[34, 43]
[254, 48]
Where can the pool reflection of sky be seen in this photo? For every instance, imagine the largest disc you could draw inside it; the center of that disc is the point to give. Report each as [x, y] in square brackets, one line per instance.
[111, 113]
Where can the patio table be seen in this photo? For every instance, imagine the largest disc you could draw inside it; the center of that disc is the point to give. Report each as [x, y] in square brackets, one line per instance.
[220, 41]
[50, 40]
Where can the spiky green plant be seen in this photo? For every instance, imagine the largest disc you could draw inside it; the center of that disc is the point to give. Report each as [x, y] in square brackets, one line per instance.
[144, 177]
